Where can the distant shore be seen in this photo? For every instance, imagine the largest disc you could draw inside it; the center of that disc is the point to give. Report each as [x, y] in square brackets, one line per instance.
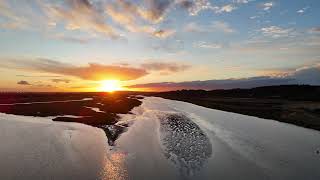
[294, 104]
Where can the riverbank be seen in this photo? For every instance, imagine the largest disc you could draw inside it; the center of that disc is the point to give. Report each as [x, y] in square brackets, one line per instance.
[299, 105]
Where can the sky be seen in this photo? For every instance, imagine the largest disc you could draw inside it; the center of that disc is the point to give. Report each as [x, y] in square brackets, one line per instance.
[76, 45]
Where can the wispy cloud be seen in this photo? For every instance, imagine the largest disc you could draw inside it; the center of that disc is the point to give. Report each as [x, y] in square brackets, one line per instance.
[196, 6]
[92, 71]
[169, 46]
[164, 33]
[195, 27]
[242, 1]
[111, 19]
[61, 80]
[222, 26]
[92, 17]
[215, 26]
[80, 15]
[253, 17]
[207, 45]
[22, 82]
[42, 76]
[267, 6]
[14, 18]
[71, 38]
[127, 15]
[303, 10]
[315, 30]
[226, 8]
[277, 32]
[165, 67]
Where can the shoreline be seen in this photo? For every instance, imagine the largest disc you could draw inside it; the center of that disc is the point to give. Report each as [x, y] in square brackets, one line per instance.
[280, 103]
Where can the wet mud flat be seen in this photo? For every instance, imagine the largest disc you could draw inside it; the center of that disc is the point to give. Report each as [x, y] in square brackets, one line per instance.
[95, 109]
[185, 144]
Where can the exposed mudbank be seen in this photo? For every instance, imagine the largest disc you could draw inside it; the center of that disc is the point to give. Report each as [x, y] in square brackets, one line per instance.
[185, 144]
[177, 140]
[95, 109]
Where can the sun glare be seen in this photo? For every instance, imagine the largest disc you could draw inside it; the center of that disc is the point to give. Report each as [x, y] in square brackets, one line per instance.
[110, 86]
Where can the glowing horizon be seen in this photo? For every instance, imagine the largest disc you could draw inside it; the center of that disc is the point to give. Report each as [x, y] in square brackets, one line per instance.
[110, 86]
[161, 45]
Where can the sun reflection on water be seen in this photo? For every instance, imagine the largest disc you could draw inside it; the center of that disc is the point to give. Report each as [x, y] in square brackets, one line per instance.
[115, 167]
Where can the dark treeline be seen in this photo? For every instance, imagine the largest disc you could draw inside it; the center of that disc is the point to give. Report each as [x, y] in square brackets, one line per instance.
[290, 92]
[295, 104]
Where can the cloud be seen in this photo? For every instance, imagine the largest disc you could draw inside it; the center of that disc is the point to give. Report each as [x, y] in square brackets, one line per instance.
[169, 46]
[221, 26]
[243, 1]
[215, 26]
[253, 17]
[13, 19]
[110, 18]
[91, 17]
[306, 75]
[72, 39]
[29, 76]
[165, 67]
[61, 80]
[164, 33]
[277, 32]
[315, 30]
[22, 82]
[186, 4]
[194, 7]
[214, 84]
[194, 27]
[267, 6]
[227, 8]
[303, 10]
[80, 15]
[92, 71]
[129, 16]
[206, 45]
[157, 9]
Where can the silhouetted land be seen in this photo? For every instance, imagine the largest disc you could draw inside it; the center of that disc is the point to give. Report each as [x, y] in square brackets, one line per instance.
[299, 105]
[295, 104]
[96, 109]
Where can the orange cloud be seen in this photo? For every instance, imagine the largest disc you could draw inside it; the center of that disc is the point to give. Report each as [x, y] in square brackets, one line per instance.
[92, 71]
[164, 33]
[101, 72]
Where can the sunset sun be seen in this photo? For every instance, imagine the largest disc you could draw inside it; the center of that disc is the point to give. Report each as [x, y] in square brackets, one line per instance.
[110, 86]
